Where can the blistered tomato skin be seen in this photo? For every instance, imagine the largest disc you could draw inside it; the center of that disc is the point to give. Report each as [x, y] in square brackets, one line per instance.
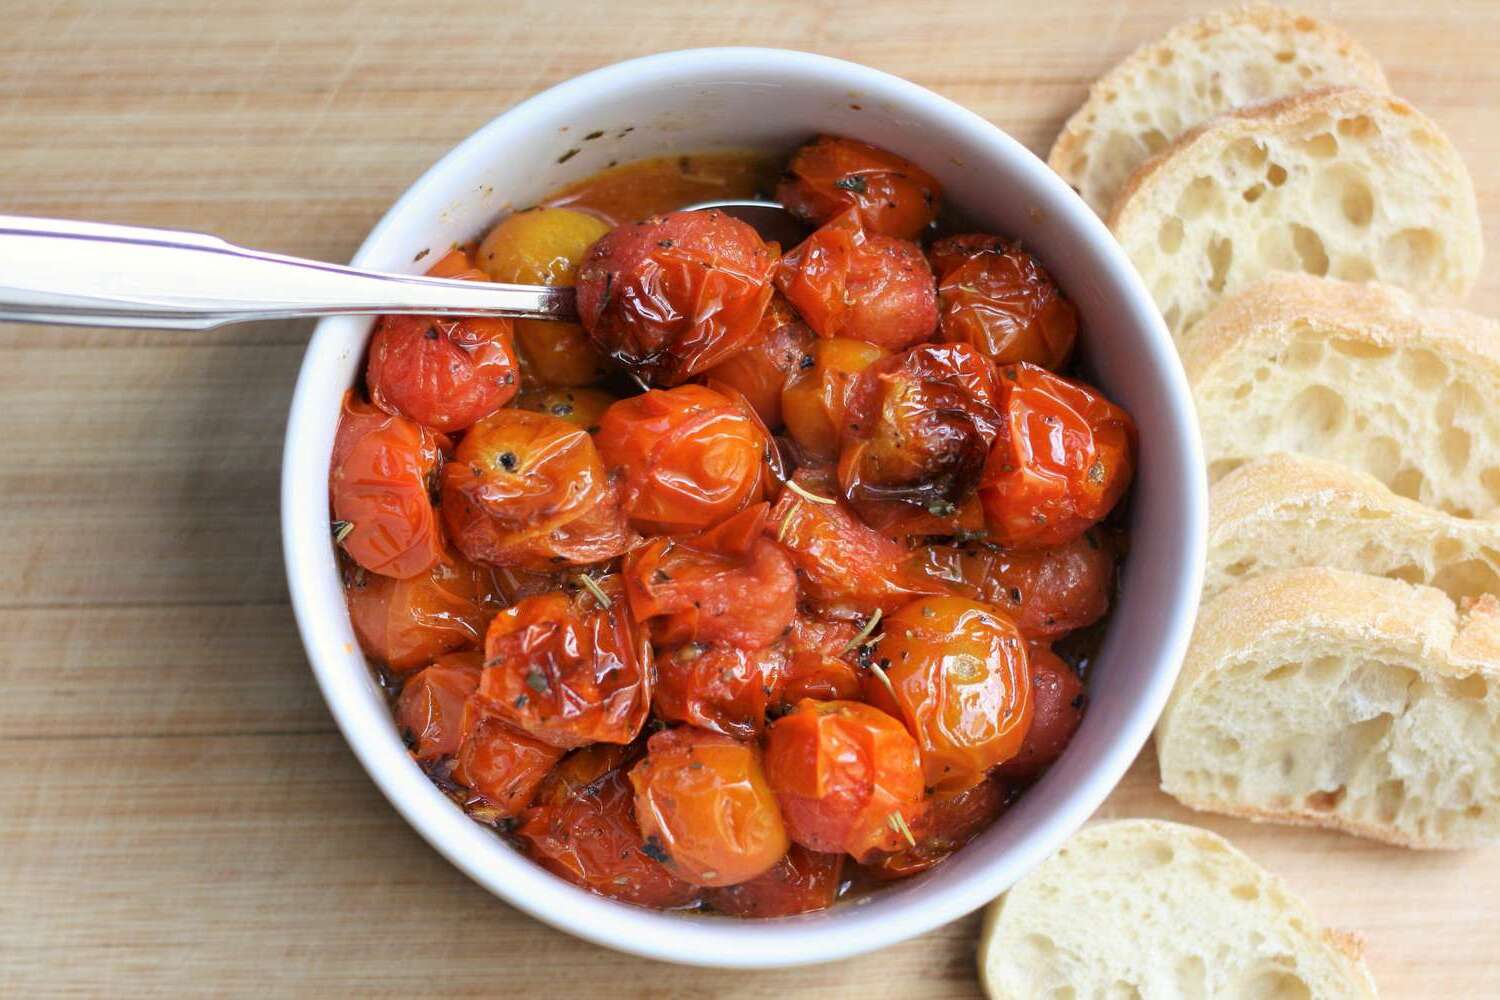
[528, 489]
[846, 282]
[688, 457]
[723, 689]
[997, 298]
[1064, 457]
[761, 371]
[444, 373]
[962, 683]
[676, 294]
[379, 488]
[430, 710]
[817, 662]
[588, 835]
[502, 765]
[1060, 702]
[702, 800]
[568, 670]
[831, 175]
[802, 881]
[847, 776]
[583, 408]
[949, 821]
[404, 624]
[814, 399]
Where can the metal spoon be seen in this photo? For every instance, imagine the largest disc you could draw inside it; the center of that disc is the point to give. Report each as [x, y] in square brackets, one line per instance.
[93, 274]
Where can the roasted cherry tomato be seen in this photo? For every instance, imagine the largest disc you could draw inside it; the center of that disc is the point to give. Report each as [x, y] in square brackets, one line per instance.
[846, 282]
[802, 881]
[996, 297]
[580, 407]
[918, 428]
[702, 801]
[817, 666]
[582, 767]
[406, 623]
[502, 765]
[430, 710]
[729, 584]
[544, 246]
[379, 483]
[590, 838]
[1048, 592]
[847, 776]
[569, 669]
[950, 820]
[1064, 458]
[1060, 701]
[761, 371]
[960, 678]
[689, 457]
[528, 489]
[830, 175]
[676, 294]
[720, 688]
[847, 569]
[814, 400]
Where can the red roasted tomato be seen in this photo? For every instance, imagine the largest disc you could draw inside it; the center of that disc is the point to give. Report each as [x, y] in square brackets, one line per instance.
[404, 624]
[814, 400]
[995, 297]
[950, 820]
[1058, 694]
[960, 678]
[830, 175]
[528, 489]
[721, 688]
[847, 776]
[502, 765]
[1063, 459]
[689, 457]
[379, 486]
[818, 664]
[430, 711]
[702, 801]
[580, 407]
[568, 669]
[802, 881]
[847, 282]
[761, 370]
[676, 294]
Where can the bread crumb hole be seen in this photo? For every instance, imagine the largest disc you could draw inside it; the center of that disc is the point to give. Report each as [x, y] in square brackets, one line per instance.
[1408, 573]
[1322, 146]
[1246, 891]
[1275, 984]
[1303, 354]
[1472, 686]
[1383, 458]
[1462, 578]
[1474, 811]
[1408, 483]
[1388, 798]
[1362, 349]
[1317, 410]
[1249, 152]
[1409, 253]
[1491, 480]
[1243, 391]
[1358, 202]
[1155, 140]
[1283, 672]
[1169, 238]
[1310, 250]
[1304, 24]
[1276, 174]
[1253, 192]
[1358, 127]
[1196, 198]
[1454, 445]
[1220, 257]
[1285, 56]
[1424, 368]
[1163, 56]
[1355, 269]
[1326, 801]
[1121, 990]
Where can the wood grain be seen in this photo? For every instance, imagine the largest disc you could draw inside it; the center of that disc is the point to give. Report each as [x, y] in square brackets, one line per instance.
[177, 813]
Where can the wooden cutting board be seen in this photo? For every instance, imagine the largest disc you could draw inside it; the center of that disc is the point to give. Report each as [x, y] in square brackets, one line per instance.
[177, 813]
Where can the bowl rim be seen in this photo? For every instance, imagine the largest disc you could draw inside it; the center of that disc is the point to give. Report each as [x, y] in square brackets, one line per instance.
[728, 943]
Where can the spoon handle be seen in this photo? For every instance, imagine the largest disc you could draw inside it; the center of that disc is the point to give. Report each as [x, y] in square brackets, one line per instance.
[92, 274]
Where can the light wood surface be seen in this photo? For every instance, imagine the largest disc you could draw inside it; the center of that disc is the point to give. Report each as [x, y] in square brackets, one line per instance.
[177, 813]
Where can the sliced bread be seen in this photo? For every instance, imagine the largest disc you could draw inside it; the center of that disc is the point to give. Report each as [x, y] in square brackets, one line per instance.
[1285, 511]
[1344, 182]
[1357, 374]
[1147, 908]
[1199, 69]
[1321, 697]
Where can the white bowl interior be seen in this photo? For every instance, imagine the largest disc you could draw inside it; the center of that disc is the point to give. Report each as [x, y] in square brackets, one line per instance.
[694, 101]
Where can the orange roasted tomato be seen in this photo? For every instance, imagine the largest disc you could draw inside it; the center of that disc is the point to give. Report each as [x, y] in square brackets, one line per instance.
[802, 881]
[830, 175]
[918, 428]
[502, 765]
[703, 803]
[528, 489]
[721, 688]
[847, 776]
[817, 663]
[995, 297]
[1060, 701]
[406, 623]
[846, 568]
[689, 457]
[676, 294]
[848, 282]
[958, 673]
[950, 820]
[761, 370]
[813, 401]
[585, 832]
[580, 407]
[430, 710]
[378, 482]
[730, 584]
[1047, 592]
[1064, 458]
[569, 669]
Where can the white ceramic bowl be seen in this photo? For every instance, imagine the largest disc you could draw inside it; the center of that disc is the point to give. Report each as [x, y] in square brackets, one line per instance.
[684, 102]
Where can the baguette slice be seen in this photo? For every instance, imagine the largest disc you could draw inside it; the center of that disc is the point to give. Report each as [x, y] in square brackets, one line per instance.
[1199, 69]
[1345, 183]
[1357, 374]
[1320, 697]
[1285, 511]
[1147, 908]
